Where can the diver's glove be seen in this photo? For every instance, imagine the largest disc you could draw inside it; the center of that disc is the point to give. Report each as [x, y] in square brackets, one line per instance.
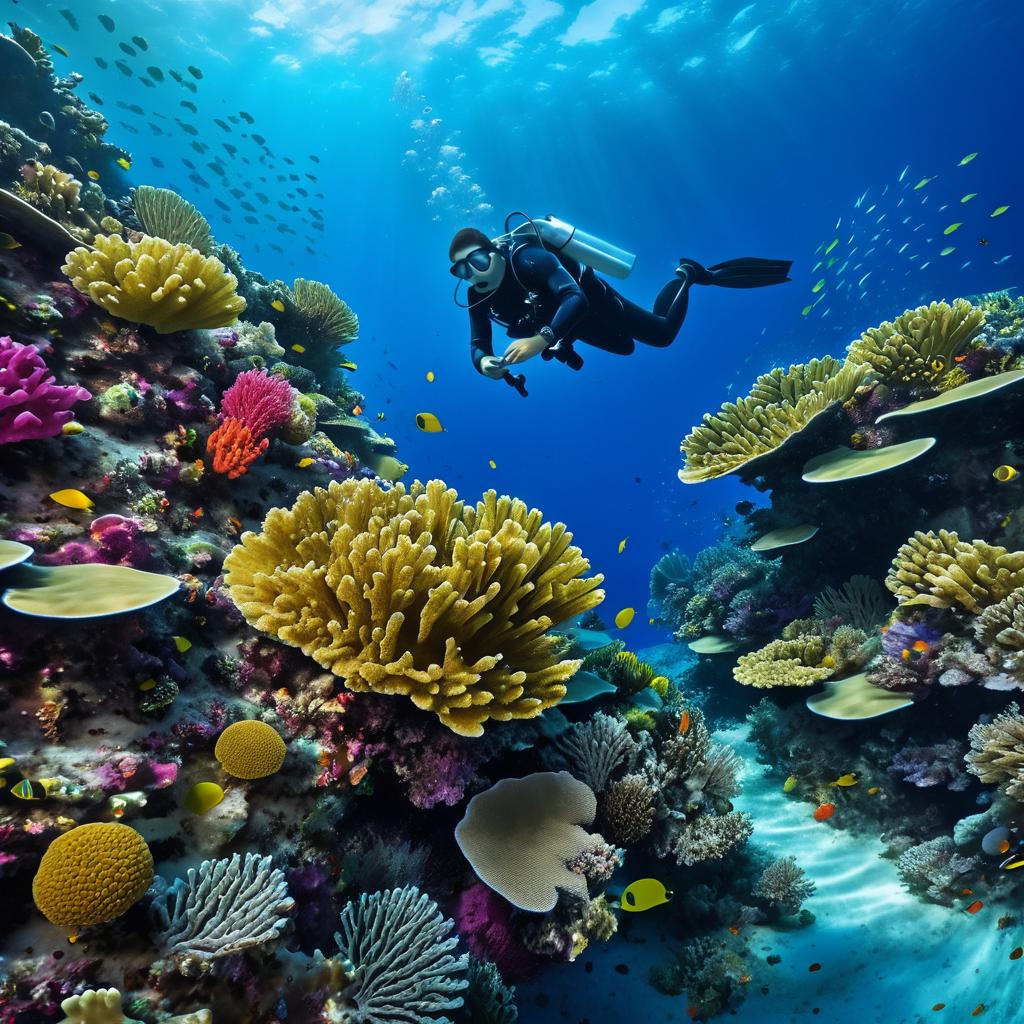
[493, 367]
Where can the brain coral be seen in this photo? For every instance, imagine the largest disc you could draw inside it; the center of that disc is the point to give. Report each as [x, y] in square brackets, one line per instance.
[780, 405]
[169, 287]
[409, 591]
[250, 750]
[919, 346]
[796, 662]
[92, 874]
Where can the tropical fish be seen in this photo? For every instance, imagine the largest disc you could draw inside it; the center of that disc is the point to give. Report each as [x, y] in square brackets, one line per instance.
[59, 49]
[1003, 259]
[107, 22]
[304, 463]
[428, 423]
[790, 784]
[624, 617]
[967, 159]
[194, 71]
[978, 1010]
[622, 544]
[1004, 474]
[147, 684]
[182, 644]
[123, 163]
[967, 198]
[948, 250]
[70, 19]
[903, 173]
[299, 348]
[492, 464]
[939, 1006]
[70, 497]
[814, 967]
[860, 283]
[8, 241]
[999, 211]
[831, 245]
[278, 305]
[203, 797]
[920, 646]
[430, 376]
[849, 779]
[381, 416]
[347, 364]
[806, 309]
[923, 182]
[28, 790]
[952, 228]
[820, 284]
[643, 894]
[357, 410]
[974, 907]
[684, 723]
[873, 791]
[1017, 953]
[140, 42]
[824, 812]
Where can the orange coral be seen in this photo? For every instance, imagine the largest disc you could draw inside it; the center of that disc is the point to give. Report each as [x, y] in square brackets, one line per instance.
[234, 448]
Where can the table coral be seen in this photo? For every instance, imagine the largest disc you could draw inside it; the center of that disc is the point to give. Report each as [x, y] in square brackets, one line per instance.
[32, 404]
[168, 287]
[409, 591]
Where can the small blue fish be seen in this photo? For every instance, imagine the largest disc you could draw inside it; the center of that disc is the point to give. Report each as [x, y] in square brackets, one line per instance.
[1003, 259]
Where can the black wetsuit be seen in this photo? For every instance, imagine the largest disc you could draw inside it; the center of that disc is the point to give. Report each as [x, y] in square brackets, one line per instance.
[574, 302]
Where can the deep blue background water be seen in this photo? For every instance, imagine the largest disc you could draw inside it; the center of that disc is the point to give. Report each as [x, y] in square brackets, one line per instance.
[708, 129]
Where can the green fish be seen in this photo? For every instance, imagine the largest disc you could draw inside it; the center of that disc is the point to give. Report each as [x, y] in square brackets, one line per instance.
[967, 159]
[832, 245]
[817, 288]
[832, 259]
[952, 228]
[967, 198]
[790, 784]
[8, 241]
[998, 211]
[923, 182]
[948, 250]
[806, 309]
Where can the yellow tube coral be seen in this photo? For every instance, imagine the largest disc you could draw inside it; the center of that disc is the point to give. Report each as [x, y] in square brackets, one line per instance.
[941, 570]
[408, 591]
[801, 661]
[168, 287]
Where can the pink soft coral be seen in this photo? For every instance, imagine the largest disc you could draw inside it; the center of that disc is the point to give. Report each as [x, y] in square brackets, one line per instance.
[258, 400]
[32, 404]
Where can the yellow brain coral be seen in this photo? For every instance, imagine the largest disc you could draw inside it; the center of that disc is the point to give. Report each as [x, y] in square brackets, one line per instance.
[92, 874]
[941, 570]
[169, 287]
[920, 345]
[250, 750]
[409, 591]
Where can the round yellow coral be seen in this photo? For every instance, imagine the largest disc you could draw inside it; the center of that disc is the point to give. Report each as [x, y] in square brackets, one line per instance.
[92, 874]
[250, 750]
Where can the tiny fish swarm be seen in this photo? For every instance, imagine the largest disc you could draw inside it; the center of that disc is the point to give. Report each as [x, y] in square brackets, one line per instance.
[32, 404]
[92, 874]
[168, 287]
[250, 750]
[408, 591]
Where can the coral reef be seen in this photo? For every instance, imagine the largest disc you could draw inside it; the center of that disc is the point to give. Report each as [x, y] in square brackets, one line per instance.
[594, 750]
[935, 868]
[32, 404]
[628, 809]
[784, 884]
[164, 214]
[800, 661]
[997, 751]
[316, 578]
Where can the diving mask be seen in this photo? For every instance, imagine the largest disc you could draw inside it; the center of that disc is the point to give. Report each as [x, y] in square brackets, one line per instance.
[476, 263]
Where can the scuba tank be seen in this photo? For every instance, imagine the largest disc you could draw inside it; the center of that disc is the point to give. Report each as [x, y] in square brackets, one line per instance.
[561, 237]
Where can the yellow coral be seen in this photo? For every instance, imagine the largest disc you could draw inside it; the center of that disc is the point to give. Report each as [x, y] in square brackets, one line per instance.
[919, 346]
[169, 287]
[801, 661]
[629, 673]
[408, 591]
[779, 406]
[92, 874]
[941, 570]
[57, 194]
[250, 750]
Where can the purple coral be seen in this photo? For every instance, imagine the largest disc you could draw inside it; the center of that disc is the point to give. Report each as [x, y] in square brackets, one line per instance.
[901, 636]
[939, 765]
[32, 404]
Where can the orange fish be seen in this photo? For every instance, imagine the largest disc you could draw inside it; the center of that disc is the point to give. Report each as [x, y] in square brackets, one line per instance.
[357, 774]
[975, 907]
[357, 411]
[1004, 846]
[1017, 953]
[744, 979]
[824, 812]
[959, 359]
[814, 967]
[978, 1010]
[692, 1012]
[939, 1006]
[733, 930]
[920, 646]
[966, 892]
[684, 723]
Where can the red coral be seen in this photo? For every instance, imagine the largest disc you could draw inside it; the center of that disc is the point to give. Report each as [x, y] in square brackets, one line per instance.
[234, 449]
[259, 400]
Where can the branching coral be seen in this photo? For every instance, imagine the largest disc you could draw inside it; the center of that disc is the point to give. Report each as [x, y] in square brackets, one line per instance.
[711, 975]
[221, 909]
[919, 346]
[934, 867]
[711, 837]
[58, 195]
[628, 809]
[169, 287]
[164, 214]
[780, 404]
[797, 662]
[860, 602]
[1000, 628]
[103, 1006]
[400, 949]
[32, 404]
[997, 751]
[940, 570]
[410, 592]
[488, 999]
[594, 749]
[784, 884]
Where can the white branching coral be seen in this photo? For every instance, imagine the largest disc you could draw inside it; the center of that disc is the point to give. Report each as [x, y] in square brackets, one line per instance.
[784, 884]
[224, 907]
[593, 750]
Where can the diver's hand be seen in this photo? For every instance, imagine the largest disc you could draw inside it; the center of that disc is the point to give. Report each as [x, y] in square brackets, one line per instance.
[493, 367]
[525, 348]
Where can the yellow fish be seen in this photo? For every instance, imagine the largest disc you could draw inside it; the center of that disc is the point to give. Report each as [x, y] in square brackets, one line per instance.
[6, 762]
[70, 497]
[1006, 520]
[380, 416]
[819, 286]
[182, 644]
[492, 464]
[873, 791]
[832, 245]
[948, 250]
[347, 365]
[203, 797]
[57, 48]
[622, 544]
[69, 429]
[28, 790]
[923, 182]
[147, 684]
[1004, 474]
[952, 228]
[806, 310]
[967, 159]
[299, 348]
[999, 211]
[849, 779]
[94, 175]
[278, 305]
[790, 784]
[123, 163]
[428, 423]
[8, 241]
[624, 617]
[304, 463]
[967, 198]
[643, 894]
[430, 376]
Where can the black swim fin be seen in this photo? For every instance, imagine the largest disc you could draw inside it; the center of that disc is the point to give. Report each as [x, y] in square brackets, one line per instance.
[748, 272]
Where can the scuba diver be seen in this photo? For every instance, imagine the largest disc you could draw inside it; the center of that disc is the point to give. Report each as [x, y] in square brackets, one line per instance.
[538, 281]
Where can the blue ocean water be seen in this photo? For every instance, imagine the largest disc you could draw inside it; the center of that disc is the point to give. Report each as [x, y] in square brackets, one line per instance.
[844, 137]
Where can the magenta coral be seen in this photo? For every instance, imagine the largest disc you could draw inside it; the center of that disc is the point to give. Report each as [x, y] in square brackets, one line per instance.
[32, 404]
[484, 922]
[259, 401]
